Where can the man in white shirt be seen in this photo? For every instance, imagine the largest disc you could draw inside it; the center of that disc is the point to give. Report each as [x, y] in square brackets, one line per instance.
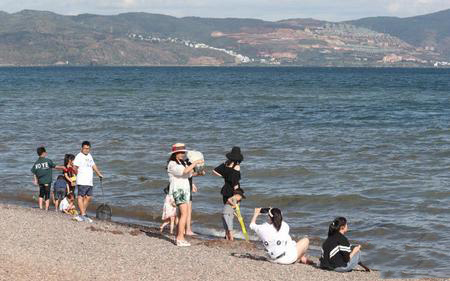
[85, 166]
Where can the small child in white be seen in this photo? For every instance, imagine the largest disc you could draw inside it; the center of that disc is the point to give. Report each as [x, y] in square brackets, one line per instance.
[66, 206]
[169, 214]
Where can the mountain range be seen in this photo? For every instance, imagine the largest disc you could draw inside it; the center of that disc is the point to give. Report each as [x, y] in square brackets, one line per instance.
[40, 38]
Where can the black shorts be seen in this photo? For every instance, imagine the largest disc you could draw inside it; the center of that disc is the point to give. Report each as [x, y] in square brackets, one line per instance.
[44, 191]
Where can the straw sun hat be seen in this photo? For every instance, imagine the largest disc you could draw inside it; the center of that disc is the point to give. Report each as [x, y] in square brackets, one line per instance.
[178, 147]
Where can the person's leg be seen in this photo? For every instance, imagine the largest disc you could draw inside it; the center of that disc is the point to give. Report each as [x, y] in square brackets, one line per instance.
[182, 222]
[81, 204]
[230, 235]
[164, 223]
[40, 202]
[351, 264]
[172, 223]
[302, 248]
[53, 197]
[86, 201]
[354, 261]
[56, 205]
[47, 197]
[189, 220]
[41, 196]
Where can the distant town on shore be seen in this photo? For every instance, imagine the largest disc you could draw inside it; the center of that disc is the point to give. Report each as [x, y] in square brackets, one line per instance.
[39, 38]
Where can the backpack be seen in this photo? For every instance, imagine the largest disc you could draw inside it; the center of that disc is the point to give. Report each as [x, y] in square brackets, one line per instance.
[60, 184]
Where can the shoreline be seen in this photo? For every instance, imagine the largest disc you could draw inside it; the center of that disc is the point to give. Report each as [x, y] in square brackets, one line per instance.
[39, 244]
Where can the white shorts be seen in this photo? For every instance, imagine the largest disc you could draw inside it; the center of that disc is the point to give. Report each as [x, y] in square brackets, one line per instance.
[290, 256]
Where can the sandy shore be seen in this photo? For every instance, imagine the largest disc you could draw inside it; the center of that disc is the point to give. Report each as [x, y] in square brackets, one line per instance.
[39, 245]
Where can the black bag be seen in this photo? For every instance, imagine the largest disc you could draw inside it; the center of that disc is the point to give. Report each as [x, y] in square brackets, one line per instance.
[104, 211]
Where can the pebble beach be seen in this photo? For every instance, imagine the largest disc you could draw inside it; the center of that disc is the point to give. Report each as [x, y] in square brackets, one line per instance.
[46, 245]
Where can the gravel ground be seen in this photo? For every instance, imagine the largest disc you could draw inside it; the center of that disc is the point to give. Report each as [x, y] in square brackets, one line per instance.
[40, 245]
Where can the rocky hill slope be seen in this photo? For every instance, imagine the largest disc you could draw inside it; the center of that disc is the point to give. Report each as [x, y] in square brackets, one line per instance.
[44, 38]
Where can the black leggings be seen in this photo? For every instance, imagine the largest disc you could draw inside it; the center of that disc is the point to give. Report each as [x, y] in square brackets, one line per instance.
[44, 191]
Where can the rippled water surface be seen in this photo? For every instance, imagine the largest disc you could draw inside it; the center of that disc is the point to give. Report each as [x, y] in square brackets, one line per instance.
[369, 144]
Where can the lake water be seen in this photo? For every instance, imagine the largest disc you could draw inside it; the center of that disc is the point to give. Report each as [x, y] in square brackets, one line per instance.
[372, 145]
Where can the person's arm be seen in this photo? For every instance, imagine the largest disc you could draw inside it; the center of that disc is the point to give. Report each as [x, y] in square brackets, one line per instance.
[66, 176]
[35, 180]
[191, 167]
[97, 171]
[60, 168]
[202, 173]
[194, 188]
[355, 250]
[344, 248]
[219, 170]
[67, 188]
[172, 201]
[232, 201]
[255, 216]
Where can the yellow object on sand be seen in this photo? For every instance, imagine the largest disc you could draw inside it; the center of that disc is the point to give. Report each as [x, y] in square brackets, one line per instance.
[241, 221]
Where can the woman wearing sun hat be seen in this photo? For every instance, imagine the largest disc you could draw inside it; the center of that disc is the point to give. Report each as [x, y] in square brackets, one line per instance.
[179, 187]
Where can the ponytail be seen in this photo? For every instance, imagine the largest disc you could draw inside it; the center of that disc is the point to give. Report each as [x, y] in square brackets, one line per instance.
[276, 218]
[336, 225]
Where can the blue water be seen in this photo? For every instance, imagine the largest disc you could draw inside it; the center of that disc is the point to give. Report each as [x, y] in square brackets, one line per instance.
[369, 144]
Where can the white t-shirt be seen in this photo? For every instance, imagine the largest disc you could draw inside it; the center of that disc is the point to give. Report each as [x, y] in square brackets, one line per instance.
[85, 172]
[64, 205]
[275, 242]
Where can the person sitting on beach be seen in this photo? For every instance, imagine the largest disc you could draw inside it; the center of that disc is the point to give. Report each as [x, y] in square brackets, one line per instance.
[60, 189]
[67, 205]
[337, 254]
[276, 239]
[42, 176]
[169, 214]
[228, 213]
[70, 173]
[179, 173]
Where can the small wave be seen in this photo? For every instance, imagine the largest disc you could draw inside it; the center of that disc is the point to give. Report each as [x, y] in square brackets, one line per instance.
[318, 200]
[279, 172]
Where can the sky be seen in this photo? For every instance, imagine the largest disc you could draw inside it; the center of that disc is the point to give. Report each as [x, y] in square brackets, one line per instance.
[332, 10]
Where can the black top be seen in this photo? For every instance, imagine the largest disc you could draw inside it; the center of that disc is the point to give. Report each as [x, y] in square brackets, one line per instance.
[335, 252]
[231, 178]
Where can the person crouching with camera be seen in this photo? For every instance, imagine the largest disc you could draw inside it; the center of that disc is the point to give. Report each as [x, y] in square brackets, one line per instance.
[276, 239]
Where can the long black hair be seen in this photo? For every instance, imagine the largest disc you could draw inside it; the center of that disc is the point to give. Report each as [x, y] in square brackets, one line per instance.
[68, 157]
[229, 162]
[276, 218]
[173, 157]
[336, 225]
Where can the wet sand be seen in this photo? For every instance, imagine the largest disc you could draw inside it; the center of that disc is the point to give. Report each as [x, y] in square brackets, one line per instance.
[40, 245]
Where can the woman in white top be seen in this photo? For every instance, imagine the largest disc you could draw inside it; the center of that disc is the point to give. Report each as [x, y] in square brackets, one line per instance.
[179, 174]
[276, 239]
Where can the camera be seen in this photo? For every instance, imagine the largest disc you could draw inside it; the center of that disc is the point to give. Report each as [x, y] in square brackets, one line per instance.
[264, 210]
